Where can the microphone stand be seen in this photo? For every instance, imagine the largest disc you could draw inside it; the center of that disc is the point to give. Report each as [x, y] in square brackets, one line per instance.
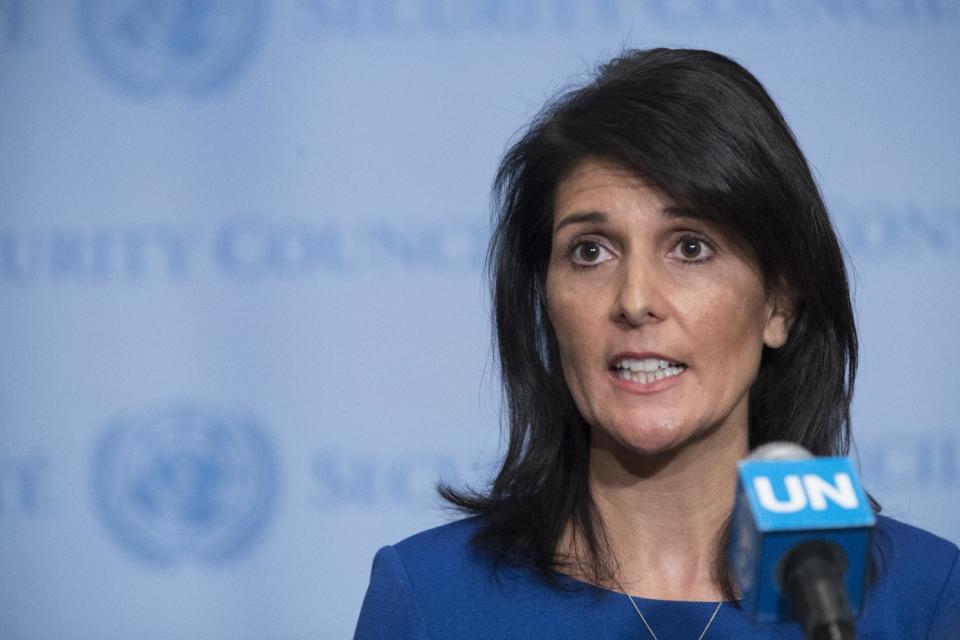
[812, 579]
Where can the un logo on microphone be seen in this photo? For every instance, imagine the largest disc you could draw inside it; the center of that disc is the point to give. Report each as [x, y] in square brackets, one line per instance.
[184, 484]
[163, 45]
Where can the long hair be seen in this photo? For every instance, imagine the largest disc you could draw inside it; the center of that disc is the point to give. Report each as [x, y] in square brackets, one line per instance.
[704, 131]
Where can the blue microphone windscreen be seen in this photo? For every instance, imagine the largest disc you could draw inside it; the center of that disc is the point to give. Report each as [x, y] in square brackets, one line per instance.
[783, 503]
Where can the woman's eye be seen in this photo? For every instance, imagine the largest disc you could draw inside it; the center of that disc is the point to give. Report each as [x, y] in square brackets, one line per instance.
[693, 249]
[589, 253]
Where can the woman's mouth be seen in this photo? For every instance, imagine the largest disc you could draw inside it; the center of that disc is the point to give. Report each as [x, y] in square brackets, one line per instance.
[645, 370]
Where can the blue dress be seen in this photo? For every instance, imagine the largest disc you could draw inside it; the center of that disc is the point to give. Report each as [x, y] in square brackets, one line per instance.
[437, 586]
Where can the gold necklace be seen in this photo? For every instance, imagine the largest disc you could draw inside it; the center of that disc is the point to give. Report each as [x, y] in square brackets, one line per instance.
[647, 624]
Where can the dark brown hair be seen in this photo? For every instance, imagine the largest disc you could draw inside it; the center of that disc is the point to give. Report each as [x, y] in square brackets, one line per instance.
[703, 130]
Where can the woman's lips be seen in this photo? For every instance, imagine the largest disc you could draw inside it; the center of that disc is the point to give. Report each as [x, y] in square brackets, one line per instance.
[646, 372]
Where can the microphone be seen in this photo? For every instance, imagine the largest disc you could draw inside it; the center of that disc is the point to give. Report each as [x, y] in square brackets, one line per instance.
[800, 540]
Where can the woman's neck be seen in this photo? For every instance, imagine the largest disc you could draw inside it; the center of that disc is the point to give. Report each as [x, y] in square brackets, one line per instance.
[664, 514]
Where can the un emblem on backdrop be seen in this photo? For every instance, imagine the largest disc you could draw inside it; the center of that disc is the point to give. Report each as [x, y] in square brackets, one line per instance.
[162, 45]
[184, 483]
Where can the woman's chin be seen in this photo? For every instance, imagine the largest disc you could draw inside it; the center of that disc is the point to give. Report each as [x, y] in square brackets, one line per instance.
[646, 441]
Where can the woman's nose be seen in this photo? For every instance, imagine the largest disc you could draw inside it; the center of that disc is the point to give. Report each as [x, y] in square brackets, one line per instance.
[640, 298]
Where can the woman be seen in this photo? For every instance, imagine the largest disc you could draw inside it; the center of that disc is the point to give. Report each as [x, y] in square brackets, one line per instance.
[668, 293]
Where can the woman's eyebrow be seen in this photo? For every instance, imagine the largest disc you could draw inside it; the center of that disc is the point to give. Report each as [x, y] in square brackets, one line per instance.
[597, 217]
[576, 218]
[676, 212]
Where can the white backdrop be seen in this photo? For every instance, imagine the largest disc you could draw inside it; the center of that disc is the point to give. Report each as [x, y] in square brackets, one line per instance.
[243, 326]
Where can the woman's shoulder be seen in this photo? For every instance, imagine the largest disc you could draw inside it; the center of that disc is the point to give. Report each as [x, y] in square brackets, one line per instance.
[906, 548]
[917, 591]
[445, 551]
[438, 584]
[413, 580]
[446, 559]
[441, 544]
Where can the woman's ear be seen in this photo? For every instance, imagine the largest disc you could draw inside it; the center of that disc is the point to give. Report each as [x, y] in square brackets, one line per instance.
[782, 304]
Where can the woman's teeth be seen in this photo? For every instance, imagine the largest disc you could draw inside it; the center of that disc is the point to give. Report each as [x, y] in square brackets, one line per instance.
[648, 369]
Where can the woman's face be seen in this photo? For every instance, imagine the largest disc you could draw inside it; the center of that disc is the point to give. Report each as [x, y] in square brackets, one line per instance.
[660, 318]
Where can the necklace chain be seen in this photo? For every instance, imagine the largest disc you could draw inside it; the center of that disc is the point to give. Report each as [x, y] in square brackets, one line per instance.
[647, 624]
